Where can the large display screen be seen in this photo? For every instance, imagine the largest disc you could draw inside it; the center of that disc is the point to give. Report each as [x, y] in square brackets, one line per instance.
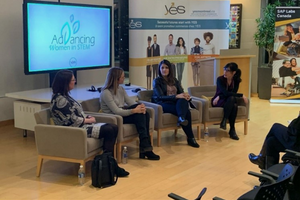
[65, 36]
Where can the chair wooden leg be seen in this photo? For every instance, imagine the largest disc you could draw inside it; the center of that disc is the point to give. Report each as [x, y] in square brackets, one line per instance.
[158, 137]
[39, 165]
[245, 127]
[115, 151]
[119, 151]
[175, 132]
[199, 132]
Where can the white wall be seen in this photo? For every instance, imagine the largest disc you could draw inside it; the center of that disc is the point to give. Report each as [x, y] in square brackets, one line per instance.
[12, 77]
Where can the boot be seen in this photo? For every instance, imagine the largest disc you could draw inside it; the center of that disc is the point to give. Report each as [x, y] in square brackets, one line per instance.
[192, 142]
[182, 121]
[223, 123]
[259, 160]
[145, 144]
[150, 155]
[121, 172]
[233, 134]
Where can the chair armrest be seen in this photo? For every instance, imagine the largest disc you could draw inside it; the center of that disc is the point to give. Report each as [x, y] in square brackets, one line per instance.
[241, 102]
[269, 173]
[198, 104]
[205, 107]
[262, 176]
[158, 111]
[61, 141]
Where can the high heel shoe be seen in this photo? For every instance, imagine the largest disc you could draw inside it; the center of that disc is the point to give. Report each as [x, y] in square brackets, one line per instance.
[223, 123]
[181, 121]
[258, 160]
[122, 172]
[192, 142]
[150, 155]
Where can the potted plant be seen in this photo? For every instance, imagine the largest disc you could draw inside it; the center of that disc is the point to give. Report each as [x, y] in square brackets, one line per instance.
[264, 38]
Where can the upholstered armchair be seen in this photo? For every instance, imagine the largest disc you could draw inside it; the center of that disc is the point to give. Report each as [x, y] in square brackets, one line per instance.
[167, 121]
[213, 115]
[127, 132]
[64, 143]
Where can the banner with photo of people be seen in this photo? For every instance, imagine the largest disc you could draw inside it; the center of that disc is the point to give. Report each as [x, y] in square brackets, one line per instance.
[188, 33]
[286, 64]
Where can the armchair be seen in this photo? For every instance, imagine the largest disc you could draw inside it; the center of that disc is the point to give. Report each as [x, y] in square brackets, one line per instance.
[167, 121]
[127, 132]
[212, 115]
[63, 143]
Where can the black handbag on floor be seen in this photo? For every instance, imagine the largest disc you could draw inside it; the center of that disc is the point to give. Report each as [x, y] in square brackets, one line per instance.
[104, 170]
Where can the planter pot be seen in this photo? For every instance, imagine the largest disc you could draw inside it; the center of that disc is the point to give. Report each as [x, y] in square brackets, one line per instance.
[264, 78]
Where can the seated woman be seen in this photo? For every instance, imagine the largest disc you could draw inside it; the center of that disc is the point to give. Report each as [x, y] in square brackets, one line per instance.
[113, 99]
[226, 96]
[168, 93]
[66, 111]
[277, 140]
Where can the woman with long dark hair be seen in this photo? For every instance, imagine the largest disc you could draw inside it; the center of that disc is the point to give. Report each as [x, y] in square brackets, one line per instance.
[226, 96]
[180, 50]
[113, 99]
[66, 111]
[168, 93]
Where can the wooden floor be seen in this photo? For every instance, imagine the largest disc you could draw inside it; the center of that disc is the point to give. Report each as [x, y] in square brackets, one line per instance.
[221, 165]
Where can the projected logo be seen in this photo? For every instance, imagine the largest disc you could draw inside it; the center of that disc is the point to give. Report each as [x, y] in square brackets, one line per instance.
[70, 39]
[73, 62]
[66, 29]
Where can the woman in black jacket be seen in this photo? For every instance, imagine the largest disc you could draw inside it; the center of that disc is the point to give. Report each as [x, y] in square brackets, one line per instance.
[168, 93]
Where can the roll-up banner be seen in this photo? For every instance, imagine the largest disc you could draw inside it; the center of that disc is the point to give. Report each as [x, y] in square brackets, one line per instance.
[286, 64]
[188, 33]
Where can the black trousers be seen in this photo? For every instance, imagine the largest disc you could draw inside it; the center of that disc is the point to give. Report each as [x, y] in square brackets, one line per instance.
[109, 133]
[180, 108]
[276, 141]
[230, 110]
[141, 122]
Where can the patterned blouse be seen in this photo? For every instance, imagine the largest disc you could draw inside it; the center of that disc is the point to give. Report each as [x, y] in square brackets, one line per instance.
[66, 111]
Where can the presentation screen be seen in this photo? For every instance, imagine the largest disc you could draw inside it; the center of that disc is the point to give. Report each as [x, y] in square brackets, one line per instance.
[65, 36]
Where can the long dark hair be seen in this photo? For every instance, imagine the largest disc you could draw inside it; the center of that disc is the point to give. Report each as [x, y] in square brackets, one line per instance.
[183, 42]
[61, 82]
[170, 78]
[234, 68]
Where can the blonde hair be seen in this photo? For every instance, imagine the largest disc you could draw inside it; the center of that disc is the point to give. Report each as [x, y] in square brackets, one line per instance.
[112, 79]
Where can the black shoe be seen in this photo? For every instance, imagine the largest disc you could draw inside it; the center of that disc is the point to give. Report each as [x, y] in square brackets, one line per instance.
[223, 123]
[192, 142]
[122, 172]
[257, 160]
[233, 134]
[150, 155]
[182, 121]
[145, 145]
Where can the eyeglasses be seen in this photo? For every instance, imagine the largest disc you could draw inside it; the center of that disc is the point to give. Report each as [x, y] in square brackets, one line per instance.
[227, 69]
[73, 80]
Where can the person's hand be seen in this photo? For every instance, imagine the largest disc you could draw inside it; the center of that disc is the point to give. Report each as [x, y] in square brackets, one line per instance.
[140, 109]
[215, 101]
[187, 96]
[245, 99]
[89, 120]
[180, 96]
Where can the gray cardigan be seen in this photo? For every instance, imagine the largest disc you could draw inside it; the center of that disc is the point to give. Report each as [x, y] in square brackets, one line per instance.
[113, 104]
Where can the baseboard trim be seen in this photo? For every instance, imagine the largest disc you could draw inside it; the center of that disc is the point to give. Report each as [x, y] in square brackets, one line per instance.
[7, 122]
[254, 94]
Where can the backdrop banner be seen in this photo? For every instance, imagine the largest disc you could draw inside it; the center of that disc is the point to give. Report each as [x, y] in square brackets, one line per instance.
[285, 78]
[188, 33]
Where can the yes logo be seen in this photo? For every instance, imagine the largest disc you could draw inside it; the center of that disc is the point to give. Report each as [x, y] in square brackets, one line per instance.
[173, 10]
[66, 31]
